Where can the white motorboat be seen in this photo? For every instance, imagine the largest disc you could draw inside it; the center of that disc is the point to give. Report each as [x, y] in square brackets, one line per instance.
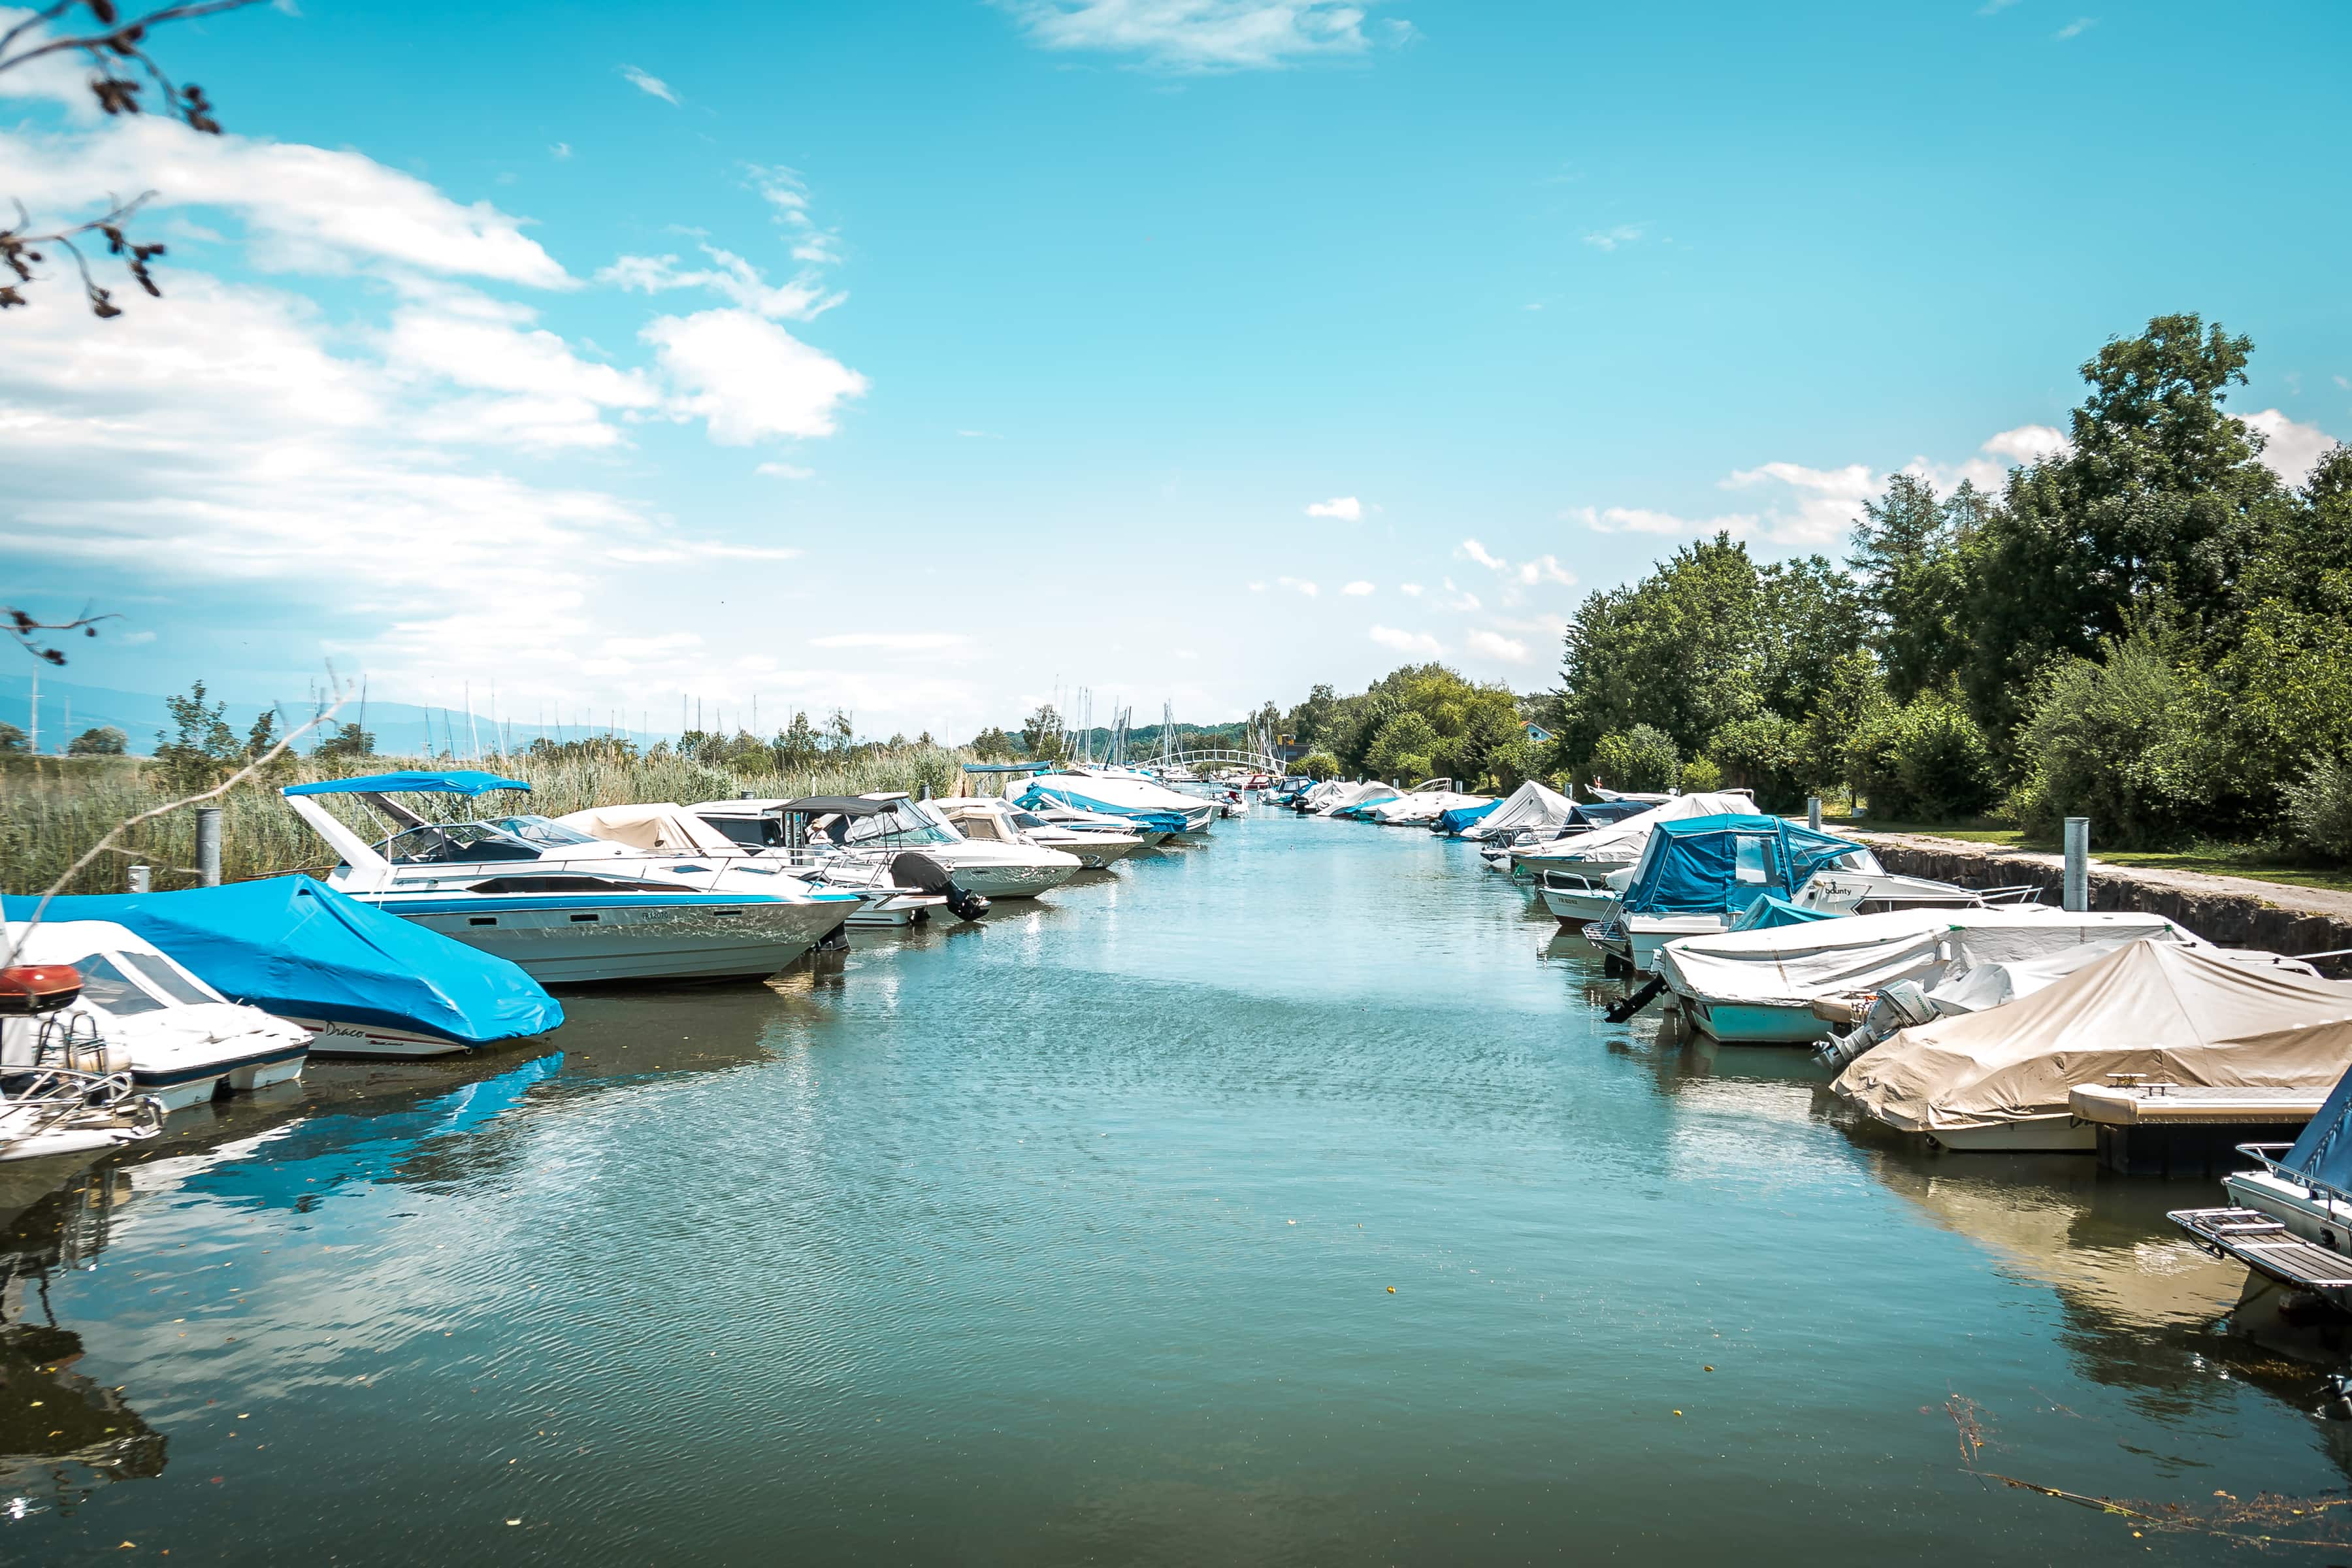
[1575, 899]
[140, 1013]
[1119, 793]
[65, 1096]
[1699, 875]
[1083, 821]
[986, 820]
[1764, 987]
[1856, 884]
[875, 829]
[566, 907]
[679, 834]
[1421, 806]
[1531, 808]
[1606, 849]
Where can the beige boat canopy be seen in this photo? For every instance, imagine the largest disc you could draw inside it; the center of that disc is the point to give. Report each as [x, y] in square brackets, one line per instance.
[664, 828]
[2177, 1013]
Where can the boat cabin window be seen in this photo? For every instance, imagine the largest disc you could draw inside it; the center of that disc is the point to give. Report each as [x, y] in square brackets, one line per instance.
[1860, 861]
[901, 825]
[107, 988]
[540, 830]
[460, 843]
[982, 828]
[1752, 862]
[751, 832]
[165, 980]
[1029, 819]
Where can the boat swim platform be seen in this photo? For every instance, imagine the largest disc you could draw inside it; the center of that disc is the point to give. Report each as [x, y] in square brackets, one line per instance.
[2269, 1248]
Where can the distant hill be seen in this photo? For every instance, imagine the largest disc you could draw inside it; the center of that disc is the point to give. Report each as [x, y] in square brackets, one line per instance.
[400, 729]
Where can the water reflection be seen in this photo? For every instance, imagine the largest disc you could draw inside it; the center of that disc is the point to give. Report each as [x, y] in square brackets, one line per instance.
[62, 1434]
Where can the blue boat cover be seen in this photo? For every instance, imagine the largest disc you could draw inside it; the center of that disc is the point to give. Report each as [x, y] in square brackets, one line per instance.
[1770, 909]
[2325, 1150]
[1462, 816]
[1160, 821]
[411, 781]
[295, 947]
[1717, 864]
[1607, 813]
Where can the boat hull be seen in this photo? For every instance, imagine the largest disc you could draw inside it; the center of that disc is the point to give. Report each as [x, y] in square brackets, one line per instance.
[1756, 1023]
[1011, 882]
[582, 942]
[2027, 1135]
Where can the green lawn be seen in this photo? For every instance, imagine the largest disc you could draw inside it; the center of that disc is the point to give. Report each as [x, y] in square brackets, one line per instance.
[2255, 865]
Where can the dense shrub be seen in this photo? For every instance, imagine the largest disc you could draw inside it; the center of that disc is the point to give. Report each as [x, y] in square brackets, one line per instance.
[1641, 758]
[2319, 809]
[2106, 741]
[1701, 777]
[1926, 761]
[1402, 748]
[105, 740]
[1765, 754]
[1316, 765]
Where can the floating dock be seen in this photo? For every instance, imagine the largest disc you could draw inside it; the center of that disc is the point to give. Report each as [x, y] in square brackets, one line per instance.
[2186, 1130]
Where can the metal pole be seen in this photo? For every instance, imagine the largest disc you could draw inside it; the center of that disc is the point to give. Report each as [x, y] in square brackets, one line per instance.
[2078, 865]
[141, 878]
[1813, 812]
[208, 846]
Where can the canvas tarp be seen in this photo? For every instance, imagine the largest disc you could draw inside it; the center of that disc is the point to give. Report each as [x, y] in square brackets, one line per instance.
[2176, 1014]
[1530, 806]
[1622, 844]
[1717, 864]
[662, 829]
[1791, 965]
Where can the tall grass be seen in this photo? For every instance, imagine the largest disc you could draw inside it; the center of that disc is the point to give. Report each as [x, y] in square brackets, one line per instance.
[54, 808]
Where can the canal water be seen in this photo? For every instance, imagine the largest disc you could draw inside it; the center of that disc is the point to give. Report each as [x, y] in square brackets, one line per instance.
[1284, 1198]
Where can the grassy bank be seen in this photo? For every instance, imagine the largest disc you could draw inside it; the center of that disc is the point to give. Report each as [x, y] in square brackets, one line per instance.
[52, 809]
[2255, 863]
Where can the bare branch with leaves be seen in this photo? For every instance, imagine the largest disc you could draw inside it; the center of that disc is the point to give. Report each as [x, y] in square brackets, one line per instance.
[114, 44]
[31, 632]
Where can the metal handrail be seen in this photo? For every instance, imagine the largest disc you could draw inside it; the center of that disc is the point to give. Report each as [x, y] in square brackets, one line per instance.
[2319, 1187]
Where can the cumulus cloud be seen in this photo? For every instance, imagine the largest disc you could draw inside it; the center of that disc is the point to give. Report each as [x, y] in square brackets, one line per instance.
[785, 471]
[2028, 444]
[748, 378]
[1298, 586]
[1826, 500]
[1645, 519]
[2289, 450]
[1543, 569]
[644, 82]
[1347, 509]
[1201, 35]
[1470, 549]
[539, 392]
[1407, 642]
[1493, 645]
[305, 208]
[1358, 588]
[729, 277]
[1410, 589]
[685, 550]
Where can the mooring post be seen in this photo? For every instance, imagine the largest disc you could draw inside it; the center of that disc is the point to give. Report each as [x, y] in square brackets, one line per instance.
[2078, 865]
[208, 846]
[141, 878]
[1813, 812]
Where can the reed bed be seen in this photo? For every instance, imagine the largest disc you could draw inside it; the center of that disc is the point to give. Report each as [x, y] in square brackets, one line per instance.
[54, 808]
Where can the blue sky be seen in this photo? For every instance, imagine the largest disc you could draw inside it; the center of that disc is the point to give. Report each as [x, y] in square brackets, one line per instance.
[920, 358]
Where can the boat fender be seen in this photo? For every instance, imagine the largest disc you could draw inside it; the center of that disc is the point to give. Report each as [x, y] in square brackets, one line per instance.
[1621, 1011]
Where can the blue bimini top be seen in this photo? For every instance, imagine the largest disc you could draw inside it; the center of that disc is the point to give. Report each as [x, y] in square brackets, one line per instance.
[299, 949]
[1717, 864]
[411, 781]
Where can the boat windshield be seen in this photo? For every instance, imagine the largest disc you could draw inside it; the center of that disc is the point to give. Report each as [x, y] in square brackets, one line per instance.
[1861, 861]
[107, 988]
[163, 978]
[540, 830]
[1028, 819]
[457, 843]
[903, 822]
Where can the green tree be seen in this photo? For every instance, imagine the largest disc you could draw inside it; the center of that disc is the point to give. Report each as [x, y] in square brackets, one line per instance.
[796, 747]
[1316, 765]
[1641, 759]
[1306, 723]
[1042, 735]
[1907, 556]
[1402, 749]
[105, 740]
[201, 749]
[1678, 651]
[263, 735]
[12, 739]
[993, 745]
[345, 741]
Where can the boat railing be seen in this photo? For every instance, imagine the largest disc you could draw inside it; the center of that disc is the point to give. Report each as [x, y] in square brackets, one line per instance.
[49, 1098]
[2265, 1154]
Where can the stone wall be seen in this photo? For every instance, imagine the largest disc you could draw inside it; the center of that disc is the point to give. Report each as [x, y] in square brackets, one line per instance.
[2229, 911]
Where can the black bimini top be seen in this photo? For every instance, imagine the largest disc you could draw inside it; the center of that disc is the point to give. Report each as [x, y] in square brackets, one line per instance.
[836, 805]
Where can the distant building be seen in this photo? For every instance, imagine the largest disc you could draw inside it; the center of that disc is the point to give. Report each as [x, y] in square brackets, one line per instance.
[1536, 731]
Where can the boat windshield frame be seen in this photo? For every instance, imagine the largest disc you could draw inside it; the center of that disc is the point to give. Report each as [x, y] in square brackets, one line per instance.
[458, 842]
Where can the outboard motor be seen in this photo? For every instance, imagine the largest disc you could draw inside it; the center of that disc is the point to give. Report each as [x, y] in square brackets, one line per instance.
[1899, 1005]
[913, 868]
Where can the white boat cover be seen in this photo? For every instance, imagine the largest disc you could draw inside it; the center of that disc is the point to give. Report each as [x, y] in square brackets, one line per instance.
[1349, 795]
[1790, 965]
[2178, 1014]
[1423, 806]
[666, 826]
[1624, 842]
[1530, 806]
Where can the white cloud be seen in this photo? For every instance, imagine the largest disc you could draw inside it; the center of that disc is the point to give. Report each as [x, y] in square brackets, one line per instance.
[747, 377]
[1347, 509]
[1828, 501]
[1358, 589]
[1611, 238]
[1491, 645]
[559, 150]
[2028, 444]
[1257, 587]
[729, 277]
[543, 396]
[2076, 29]
[1407, 642]
[644, 82]
[2289, 450]
[1544, 569]
[785, 471]
[697, 550]
[1471, 550]
[1298, 586]
[893, 642]
[304, 207]
[1200, 35]
[1643, 520]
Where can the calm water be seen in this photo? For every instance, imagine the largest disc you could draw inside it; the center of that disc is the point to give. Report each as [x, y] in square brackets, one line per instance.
[1070, 1237]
